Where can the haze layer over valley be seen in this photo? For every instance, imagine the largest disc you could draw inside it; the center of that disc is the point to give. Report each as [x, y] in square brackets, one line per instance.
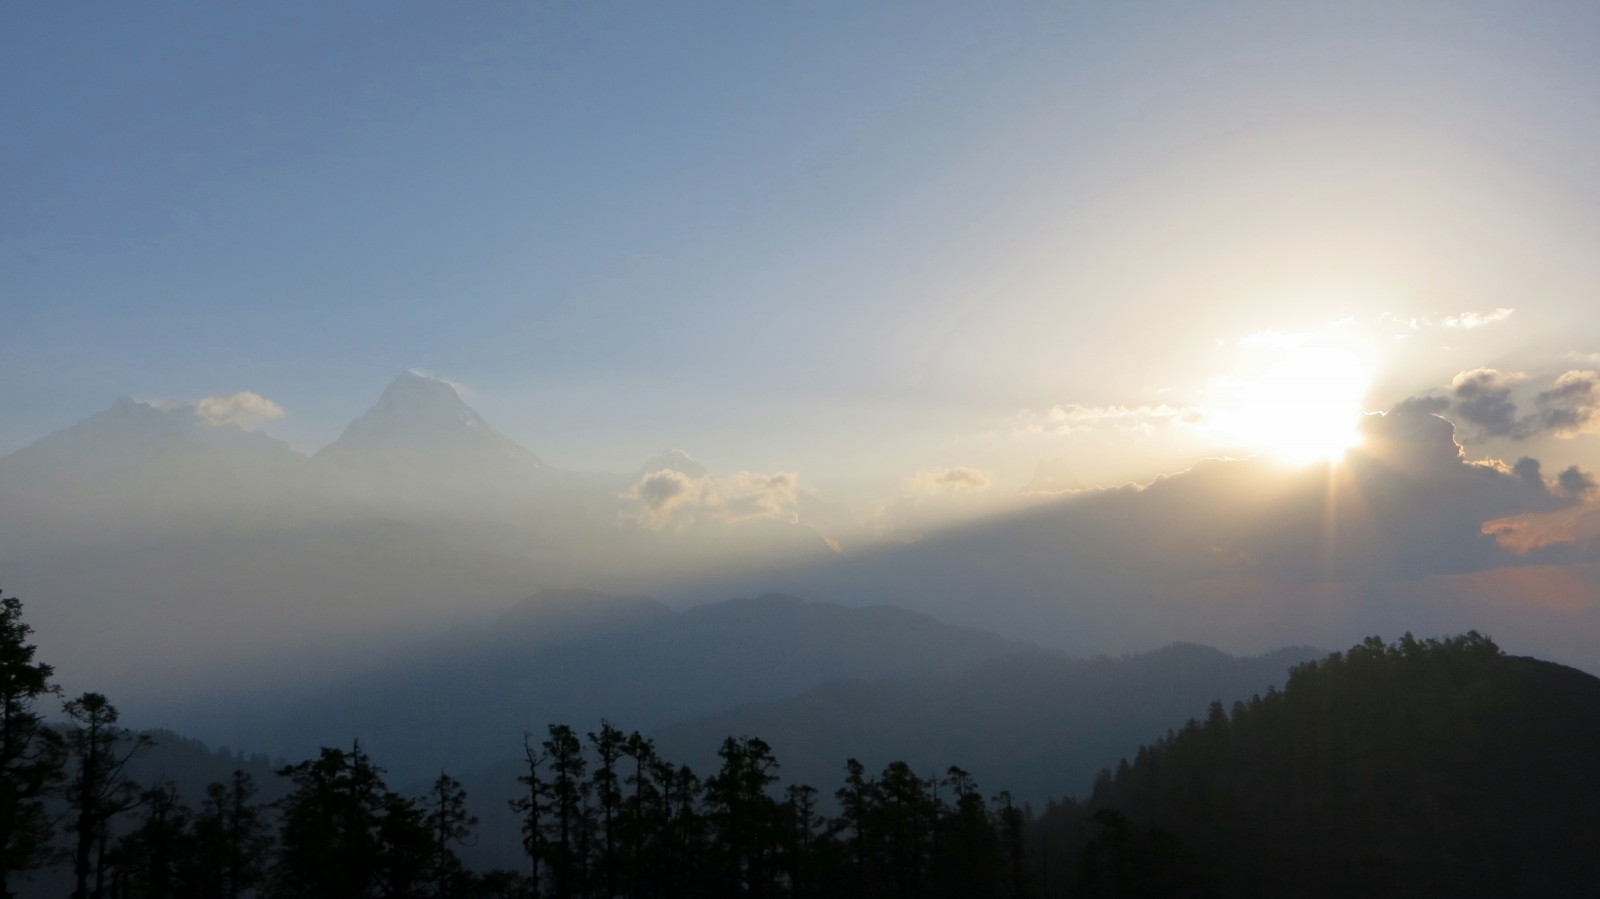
[166, 540]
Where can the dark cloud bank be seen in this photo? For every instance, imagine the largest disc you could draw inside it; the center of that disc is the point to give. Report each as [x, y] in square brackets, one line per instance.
[1487, 399]
[1248, 554]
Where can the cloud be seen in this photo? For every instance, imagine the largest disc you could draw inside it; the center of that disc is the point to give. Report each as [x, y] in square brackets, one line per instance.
[1072, 418]
[1483, 397]
[1405, 503]
[1527, 469]
[1410, 322]
[932, 500]
[1164, 558]
[1422, 405]
[1572, 405]
[244, 409]
[1577, 483]
[1461, 321]
[1470, 320]
[675, 499]
[1572, 482]
[959, 479]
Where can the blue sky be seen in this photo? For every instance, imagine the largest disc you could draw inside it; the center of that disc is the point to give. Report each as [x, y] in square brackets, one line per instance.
[854, 240]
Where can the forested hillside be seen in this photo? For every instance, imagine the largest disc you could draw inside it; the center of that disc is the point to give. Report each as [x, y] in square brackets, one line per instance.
[1419, 768]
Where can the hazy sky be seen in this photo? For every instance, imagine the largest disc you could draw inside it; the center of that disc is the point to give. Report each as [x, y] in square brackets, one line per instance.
[854, 241]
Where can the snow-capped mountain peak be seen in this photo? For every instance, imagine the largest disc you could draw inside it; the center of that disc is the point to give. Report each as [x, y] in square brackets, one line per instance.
[419, 415]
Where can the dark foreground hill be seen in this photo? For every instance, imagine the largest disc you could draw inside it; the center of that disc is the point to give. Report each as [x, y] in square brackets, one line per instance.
[1422, 768]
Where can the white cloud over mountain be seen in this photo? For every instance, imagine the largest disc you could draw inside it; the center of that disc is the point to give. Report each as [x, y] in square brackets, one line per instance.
[245, 409]
[957, 479]
[674, 499]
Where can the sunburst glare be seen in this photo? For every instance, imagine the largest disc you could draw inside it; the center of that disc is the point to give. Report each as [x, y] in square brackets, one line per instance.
[1303, 406]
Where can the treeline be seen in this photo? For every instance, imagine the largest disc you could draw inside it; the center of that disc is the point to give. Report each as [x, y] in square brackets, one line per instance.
[602, 815]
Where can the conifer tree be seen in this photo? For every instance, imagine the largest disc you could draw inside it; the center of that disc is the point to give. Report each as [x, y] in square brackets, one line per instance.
[569, 809]
[31, 753]
[641, 820]
[968, 858]
[608, 746]
[745, 816]
[231, 839]
[528, 807]
[158, 858]
[857, 800]
[800, 811]
[345, 835]
[449, 823]
[98, 791]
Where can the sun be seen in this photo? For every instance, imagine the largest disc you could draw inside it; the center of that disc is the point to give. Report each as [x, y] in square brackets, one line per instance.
[1302, 406]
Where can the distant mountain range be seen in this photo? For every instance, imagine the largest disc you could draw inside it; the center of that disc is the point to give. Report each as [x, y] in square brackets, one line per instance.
[147, 533]
[466, 698]
[1039, 724]
[420, 448]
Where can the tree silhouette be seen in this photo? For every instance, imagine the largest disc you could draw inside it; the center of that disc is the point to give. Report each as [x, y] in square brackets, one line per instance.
[231, 838]
[98, 790]
[529, 807]
[158, 858]
[31, 753]
[857, 802]
[448, 820]
[568, 852]
[608, 745]
[907, 816]
[642, 821]
[966, 853]
[745, 815]
[800, 838]
[344, 835]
